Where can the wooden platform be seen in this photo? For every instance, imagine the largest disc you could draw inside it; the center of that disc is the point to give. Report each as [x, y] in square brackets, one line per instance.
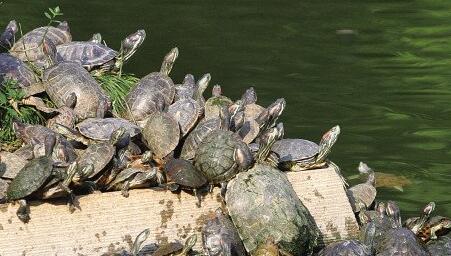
[107, 222]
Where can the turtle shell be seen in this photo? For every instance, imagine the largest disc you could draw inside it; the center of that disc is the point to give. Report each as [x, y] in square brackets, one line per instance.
[185, 112]
[252, 111]
[359, 194]
[249, 131]
[262, 204]
[185, 90]
[66, 117]
[399, 240]
[161, 134]
[7, 36]
[345, 248]
[214, 104]
[67, 78]
[123, 176]
[88, 54]
[14, 69]
[103, 128]
[99, 155]
[30, 178]
[152, 93]
[183, 173]
[292, 150]
[192, 142]
[10, 164]
[215, 158]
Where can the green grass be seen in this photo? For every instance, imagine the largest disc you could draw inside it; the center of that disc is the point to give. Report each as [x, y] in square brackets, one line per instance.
[117, 87]
[10, 92]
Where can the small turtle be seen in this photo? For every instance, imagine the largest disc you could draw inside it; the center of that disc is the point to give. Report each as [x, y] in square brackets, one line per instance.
[220, 237]
[362, 195]
[182, 174]
[417, 223]
[186, 89]
[152, 93]
[216, 102]
[161, 134]
[7, 38]
[221, 155]
[352, 247]
[186, 112]
[176, 249]
[99, 155]
[31, 46]
[300, 154]
[97, 56]
[12, 68]
[385, 180]
[436, 226]
[135, 178]
[262, 204]
[39, 137]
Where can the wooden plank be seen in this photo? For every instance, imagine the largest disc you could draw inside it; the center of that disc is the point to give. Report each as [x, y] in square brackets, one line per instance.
[108, 222]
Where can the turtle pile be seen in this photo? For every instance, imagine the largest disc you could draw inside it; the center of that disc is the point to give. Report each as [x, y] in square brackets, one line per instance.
[170, 137]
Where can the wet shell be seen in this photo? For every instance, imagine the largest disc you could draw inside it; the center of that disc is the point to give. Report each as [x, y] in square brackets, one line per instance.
[192, 142]
[345, 248]
[183, 173]
[400, 241]
[30, 178]
[161, 134]
[294, 149]
[185, 112]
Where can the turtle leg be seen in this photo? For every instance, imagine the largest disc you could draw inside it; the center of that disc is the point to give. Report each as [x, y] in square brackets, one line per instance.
[23, 212]
[433, 232]
[223, 189]
[173, 187]
[125, 188]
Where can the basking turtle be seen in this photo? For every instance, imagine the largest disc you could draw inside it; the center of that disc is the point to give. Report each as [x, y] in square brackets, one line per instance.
[102, 128]
[65, 79]
[417, 223]
[300, 154]
[263, 204]
[94, 55]
[186, 89]
[99, 155]
[221, 155]
[384, 180]
[161, 134]
[31, 46]
[182, 174]
[186, 112]
[39, 137]
[361, 196]
[12, 68]
[220, 237]
[135, 178]
[7, 38]
[436, 226]
[152, 93]
[214, 104]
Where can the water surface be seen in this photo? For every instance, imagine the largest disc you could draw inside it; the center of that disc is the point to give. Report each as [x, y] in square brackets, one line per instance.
[380, 69]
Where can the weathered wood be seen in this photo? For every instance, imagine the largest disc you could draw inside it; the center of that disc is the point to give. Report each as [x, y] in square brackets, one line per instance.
[108, 222]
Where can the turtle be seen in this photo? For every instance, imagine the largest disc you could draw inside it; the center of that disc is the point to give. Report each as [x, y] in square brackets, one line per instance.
[300, 154]
[436, 226]
[398, 240]
[262, 204]
[182, 174]
[220, 237]
[186, 112]
[31, 46]
[161, 134]
[352, 247]
[135, 178]
[216, 102]
[66, 117]
[384, 180]
[97, 56]
[361, 196]
[417, 223]
[221, 155]
[102, 128]
[139, 240]
[12, 68]
[185, 89]
[268, 118]
[99, 155]
[177, 249]
[7, 38]
[152, 93]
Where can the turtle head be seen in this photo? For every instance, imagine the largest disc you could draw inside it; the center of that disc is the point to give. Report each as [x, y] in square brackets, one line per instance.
[96, 38]
[7, 37]
[371, 179]
[189, 244]
[380, 208]
[49, 49]
[139, 240]
[118, 135]
[18, 127]
[224, 117]
[393, 212]
[12, 27]
[131, 43]
[168, 61]
[189, 79]
[427, 210]
[269, 116]
[249, 96]
[326, 143]
[146, 156]
[267, 140]
[243, 157]
[202, 84]
[216, 91]
[63, 25]
[364, 168]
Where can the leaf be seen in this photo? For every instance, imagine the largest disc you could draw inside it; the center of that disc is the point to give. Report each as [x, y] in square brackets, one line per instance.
[47, 15]
[57, 9]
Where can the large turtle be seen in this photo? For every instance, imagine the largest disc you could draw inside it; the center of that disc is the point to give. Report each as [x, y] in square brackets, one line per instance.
[161, 134]
[384, 180]
[221, 155]
[362, 195]
[93, 55]
[152, 93]
[7, 38]
[66, 79]
[220, 237]
[300, 154]
[263, 204]
[417, 223]
[30, 47]
[12, 68]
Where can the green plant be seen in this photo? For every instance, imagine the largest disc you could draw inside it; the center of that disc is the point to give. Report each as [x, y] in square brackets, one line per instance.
[10, 96]
[117, 87]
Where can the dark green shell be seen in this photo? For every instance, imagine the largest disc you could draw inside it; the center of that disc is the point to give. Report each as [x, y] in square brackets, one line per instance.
[262, 204]
[34, 174]
[183, 173]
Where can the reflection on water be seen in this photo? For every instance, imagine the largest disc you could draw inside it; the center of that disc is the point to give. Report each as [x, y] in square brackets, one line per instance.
[380, 69]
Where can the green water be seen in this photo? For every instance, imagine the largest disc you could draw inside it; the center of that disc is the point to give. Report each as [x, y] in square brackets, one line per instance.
[387, 84]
